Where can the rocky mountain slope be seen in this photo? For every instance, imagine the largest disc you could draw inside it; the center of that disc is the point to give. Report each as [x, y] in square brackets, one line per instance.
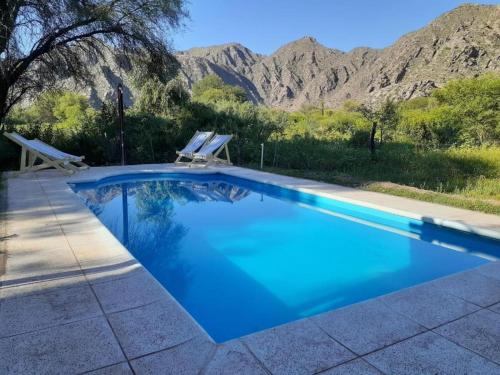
[462, 43]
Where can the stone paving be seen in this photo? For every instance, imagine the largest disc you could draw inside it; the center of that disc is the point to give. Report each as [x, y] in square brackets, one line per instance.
[73, 300]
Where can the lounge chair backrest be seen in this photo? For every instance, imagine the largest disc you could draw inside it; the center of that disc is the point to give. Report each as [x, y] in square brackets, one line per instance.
[53, 152]
[196, 142]
[18, 138]
[33, 150]
[214, 144]
[41, 147]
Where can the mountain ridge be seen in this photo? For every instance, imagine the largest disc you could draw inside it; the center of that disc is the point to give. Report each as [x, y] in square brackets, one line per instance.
[464, 42]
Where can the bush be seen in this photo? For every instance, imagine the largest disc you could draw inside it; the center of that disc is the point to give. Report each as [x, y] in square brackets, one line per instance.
[464, 113]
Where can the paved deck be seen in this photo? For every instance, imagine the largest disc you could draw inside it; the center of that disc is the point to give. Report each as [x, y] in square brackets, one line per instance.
[68, 307]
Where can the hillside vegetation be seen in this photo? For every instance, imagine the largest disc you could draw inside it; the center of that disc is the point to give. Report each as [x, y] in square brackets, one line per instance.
[447, 144]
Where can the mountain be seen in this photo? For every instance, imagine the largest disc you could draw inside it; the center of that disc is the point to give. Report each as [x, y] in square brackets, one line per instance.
[464, 42]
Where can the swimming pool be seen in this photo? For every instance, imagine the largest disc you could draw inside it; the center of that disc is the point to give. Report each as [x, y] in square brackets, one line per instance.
[243, 256]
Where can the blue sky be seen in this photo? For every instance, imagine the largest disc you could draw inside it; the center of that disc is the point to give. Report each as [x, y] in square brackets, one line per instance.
[265, 25]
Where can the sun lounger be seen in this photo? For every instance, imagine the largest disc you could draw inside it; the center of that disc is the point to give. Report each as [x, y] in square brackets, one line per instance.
[194, 144]
[32, 150]
[209, 153]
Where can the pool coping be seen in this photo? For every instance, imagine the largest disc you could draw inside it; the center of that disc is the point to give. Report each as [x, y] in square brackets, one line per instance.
[82, 232]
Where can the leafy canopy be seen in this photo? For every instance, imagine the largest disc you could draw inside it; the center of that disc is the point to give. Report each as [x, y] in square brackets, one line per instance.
[212, 89]
[43, 41]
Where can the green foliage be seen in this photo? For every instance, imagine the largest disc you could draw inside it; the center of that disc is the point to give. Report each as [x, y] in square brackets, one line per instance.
[57, 109]
[161, 98]
[463, 112]
[429, 143]
[212, 89]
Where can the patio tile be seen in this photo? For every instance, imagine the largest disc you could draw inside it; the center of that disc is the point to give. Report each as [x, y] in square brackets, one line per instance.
[42, 284]
[89, 225]
[491, 269]
[23, 224]
[116, 269]
[70, 348]
[429, 353]
[296, 348]
[19, 315]
[33, 264]
[233, 358]
[495, 308]
[356, 367]
[118, 369]
[84, 238]
[188, 358]
[153, 327]
[367, 326]
[37, 240]
[479, 332]
[428, 306]
[472, 286]
[138, 289]
[100, 253]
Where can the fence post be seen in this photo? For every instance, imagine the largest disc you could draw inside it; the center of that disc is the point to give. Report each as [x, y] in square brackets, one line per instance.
[120, 120]
[261, 155]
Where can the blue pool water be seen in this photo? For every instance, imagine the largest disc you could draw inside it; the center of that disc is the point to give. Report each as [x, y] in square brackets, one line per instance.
[242, 256]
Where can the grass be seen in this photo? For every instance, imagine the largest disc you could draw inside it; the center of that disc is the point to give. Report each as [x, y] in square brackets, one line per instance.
[466, 178]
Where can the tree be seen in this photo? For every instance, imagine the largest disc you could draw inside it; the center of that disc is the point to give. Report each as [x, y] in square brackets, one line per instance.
[212, 89]
[373, 116]
[474, 103]
[388, 116]
[43, 41]
[162, 98]
[211, 81]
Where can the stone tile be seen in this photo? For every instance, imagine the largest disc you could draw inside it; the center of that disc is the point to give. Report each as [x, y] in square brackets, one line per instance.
[116, 269]
[154, 327]
[356, 367]
[296, 348]
[25, 314]
[33, 264]
[479, 332]
[101, 253]
[429, 353]
[139, 289]
[367, 326]
[22, 224]
[428, 306]
[188, 358]
[233, 358]
[70, 348]
[44, 284]
[87, 237]
[471, 286]
[37, 240]
[118, 369]
[491, 269]
[91, 225]
[105, 261]
[495, 308]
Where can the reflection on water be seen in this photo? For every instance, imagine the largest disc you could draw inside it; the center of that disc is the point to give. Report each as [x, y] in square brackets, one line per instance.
[148, 228]
[153, 211]
[242, 256]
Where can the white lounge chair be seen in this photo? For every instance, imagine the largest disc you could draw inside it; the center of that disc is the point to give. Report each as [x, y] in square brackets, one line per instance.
[209, 153]
[35, 149]
[194, 144]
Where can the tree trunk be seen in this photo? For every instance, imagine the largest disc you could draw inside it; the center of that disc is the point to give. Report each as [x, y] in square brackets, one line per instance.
[372, 139]
[3, 103]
